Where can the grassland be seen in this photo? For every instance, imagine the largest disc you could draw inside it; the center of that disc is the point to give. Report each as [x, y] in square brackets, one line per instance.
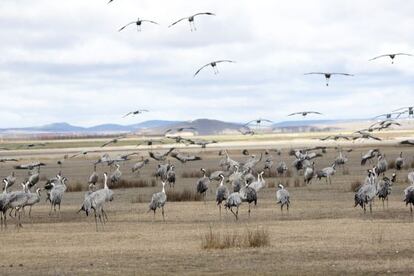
[322, 233]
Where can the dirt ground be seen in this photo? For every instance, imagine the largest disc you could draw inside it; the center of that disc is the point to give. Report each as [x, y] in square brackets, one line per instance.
[322, 233]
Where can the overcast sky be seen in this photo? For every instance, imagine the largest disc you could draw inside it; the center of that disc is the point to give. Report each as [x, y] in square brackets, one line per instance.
[65, 61]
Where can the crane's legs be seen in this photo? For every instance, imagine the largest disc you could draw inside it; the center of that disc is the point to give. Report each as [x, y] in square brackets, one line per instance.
[235, 214]
[162, 211]
[220, 209]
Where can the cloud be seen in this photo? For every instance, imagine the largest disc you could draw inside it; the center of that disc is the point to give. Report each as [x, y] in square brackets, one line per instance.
[66, 61]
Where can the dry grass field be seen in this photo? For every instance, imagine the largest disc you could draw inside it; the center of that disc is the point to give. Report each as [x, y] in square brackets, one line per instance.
[322, 233]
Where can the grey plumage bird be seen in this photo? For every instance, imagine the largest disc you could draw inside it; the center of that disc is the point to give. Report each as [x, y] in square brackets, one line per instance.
[139, 165]
[202, 184]
[171, 176]
[184, 158]
[11, 179]
[305, 113]
[382, 165]
[234, 201]
[213, 64]
[158, 201]
[94, 177]
[190, 19]
[33, 199]
[385, 187]
[160, 156]
[16, 201]
[281, 168]
[249, 195]
[222, 193]
[56, 193]
[327, 173]
[116, 175]
[162, 170]
[399, 162]
[367, 192]
[96, 200]
[328, 75]
[259, 183]
[282, 197]
[391, 56]
[138, 23]
[309, 173]
[369, 155]
[407, 142]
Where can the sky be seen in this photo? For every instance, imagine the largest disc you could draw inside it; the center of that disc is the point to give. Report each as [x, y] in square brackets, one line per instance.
[65, 61]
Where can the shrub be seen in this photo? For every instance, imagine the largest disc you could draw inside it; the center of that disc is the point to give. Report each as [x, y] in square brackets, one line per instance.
[76, 187]
[271, 184]
[248, 239]
[133, 183]
[270, 173]
[391, 164]
[195, 173]
[296, 182]
[185, 195]
[139, 199]
[355, 185]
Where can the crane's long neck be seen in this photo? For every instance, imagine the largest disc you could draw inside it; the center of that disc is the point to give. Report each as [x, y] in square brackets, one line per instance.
[106, 182]
[163, 188]
[221, 182]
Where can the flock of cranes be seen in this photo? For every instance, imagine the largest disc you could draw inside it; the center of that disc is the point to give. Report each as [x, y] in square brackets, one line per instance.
[213, 64]
[246, 180]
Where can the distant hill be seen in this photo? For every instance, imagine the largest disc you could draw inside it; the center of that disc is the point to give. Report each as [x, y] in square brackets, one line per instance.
[202, 126]
[104, 128]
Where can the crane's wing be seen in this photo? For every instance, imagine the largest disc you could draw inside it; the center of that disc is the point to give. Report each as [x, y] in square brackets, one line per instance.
[107, 143]
[375, 138]
[314, 112]
[343, 74]
[402, 108]
[204, 66]
[184, 18]
[266, 120]
[403, 54]
[248, 123]
[133, 22]
[224, 60]
[377, 57]
[168, 130]
[129, 113]
[379, 116]
[203, 13]
[315, 73]
[143, 110]
[150, 21]
[110, 1]
[294, 113]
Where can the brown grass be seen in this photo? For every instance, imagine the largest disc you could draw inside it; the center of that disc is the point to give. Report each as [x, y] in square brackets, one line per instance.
[139, 199]
[391, 164]
[134, 183]
[270, 173]
[184, 195]
[355, 185]
[297, 182]
[249, 239]
[76, 187]
[195, 173]
[345, 171]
